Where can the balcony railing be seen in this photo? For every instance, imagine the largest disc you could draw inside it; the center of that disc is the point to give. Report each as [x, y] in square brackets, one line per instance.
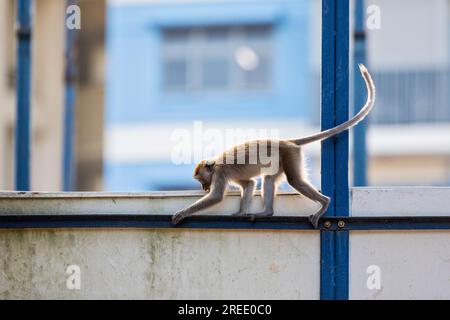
[412, 97]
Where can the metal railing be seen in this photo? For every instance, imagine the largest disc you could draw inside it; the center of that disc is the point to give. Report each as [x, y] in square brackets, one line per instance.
[412, 96]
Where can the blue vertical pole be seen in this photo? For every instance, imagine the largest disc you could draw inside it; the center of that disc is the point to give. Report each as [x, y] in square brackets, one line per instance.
[359, 137]
[68, 173]
[23, 87]
[334, 167]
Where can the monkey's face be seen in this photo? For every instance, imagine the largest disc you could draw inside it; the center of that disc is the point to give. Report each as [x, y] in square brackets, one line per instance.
[203, 173]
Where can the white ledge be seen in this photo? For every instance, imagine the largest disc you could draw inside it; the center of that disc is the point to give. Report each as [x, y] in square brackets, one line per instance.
[166, 202]
[400, 201]
[367, 201]
[105, 195]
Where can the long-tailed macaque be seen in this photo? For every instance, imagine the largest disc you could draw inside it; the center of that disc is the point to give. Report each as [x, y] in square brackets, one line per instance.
[243, 163]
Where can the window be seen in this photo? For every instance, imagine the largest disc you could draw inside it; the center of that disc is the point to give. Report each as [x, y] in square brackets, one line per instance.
[217, 58]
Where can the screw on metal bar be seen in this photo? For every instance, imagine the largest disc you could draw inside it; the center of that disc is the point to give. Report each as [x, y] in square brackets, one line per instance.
[341, 224]
[327, 224]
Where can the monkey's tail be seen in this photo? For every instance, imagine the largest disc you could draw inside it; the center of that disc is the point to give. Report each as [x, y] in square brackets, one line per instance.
[353, 121]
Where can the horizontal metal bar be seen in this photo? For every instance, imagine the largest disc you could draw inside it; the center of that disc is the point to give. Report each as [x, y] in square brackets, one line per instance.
[223, 222]
[394, 223]
[139, 221]
[151, 221]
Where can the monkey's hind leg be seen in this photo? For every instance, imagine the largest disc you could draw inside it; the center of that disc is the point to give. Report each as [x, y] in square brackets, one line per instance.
[295, 179]
[309, 191]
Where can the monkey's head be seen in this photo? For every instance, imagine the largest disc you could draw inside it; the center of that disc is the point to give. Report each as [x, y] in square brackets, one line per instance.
[204, 172]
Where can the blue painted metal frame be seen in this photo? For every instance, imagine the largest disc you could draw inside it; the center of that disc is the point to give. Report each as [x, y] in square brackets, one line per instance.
[68, 173]
[359, 136]
[23, 122]
[335, 110]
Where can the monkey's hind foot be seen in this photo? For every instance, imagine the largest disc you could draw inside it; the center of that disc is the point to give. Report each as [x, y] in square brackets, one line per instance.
[250, 216]
[314, 219]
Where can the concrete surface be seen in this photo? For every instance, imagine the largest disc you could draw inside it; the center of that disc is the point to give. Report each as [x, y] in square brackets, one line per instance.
[217, 264]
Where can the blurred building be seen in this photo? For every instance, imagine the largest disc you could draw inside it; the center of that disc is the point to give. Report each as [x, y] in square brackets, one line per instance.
[90, 100]
[229, 64]
[171, 63]
[409, 139]
[7, 110]
[147, 68]
[48, 94]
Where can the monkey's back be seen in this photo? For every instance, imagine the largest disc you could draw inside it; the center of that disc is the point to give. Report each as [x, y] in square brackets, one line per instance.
[256, 157]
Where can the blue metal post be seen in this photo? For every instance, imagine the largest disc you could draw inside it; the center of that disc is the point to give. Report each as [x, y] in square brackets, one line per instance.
[335, 110]
[359, 137]
[68, 173]
[23, 87]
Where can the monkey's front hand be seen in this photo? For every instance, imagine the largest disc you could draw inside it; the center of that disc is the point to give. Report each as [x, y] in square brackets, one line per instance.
[177, 217]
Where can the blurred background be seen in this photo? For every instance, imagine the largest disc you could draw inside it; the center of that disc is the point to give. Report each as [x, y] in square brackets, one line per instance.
[144, 68]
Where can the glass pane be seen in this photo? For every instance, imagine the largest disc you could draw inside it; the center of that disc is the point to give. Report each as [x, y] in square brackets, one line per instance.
[258, 76]
[216, 33]
[257, 32]
[176, 35]
[175, 74]
[215, 73]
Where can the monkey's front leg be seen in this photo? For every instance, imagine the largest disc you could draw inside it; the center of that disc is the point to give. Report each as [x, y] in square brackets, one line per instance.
[268, 192]
[212, 198]
[248, 187]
